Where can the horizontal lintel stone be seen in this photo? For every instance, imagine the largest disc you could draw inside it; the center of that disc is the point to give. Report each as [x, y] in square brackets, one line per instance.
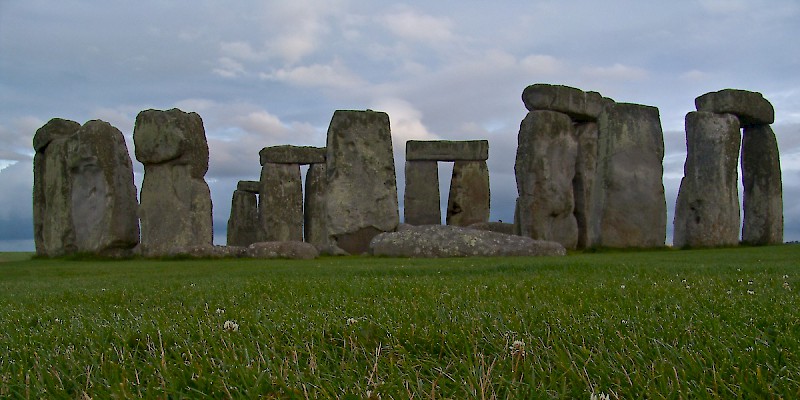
[447, 150]
[288, 154]
[248, 186]
[751, 108]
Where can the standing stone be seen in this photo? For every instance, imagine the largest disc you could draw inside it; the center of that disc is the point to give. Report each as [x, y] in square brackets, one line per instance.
[175, 201]
[545, 168]
[314, 218]
[421, 197]
[104, 208]
[281, 207]
[362, 187]
[629, 207]
[582, 185]
[707, 208]
[468, 201]
[52, 189]
[763, 191]
[244, 227]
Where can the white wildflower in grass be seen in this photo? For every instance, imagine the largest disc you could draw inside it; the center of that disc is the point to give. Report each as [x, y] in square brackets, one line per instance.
[622, 286]
[786, 286]
[751, 292]
[601, 396]
[750, 282]
[739, 280]
[786, 277]
[351, 321]
[517, 348]
[220, 311]
[230, 326]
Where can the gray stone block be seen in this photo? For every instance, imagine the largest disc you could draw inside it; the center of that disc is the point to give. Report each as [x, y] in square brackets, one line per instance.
[579, 105]
[750, 107]
[763, 189]
[288, 154]
[421, 196]
[447, 150]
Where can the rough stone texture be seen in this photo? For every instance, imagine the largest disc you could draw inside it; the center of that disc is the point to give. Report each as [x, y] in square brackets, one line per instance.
[628, 203]
[582, 185]
[288, 154]
[447, 150]
[52, 189]
[499, 227]
[281, 202]
[545, 167]
[208, 251]
[244, 227]
[707, 208]
[421, 196]
[453, 241]
[750, 107]
[763, 189]
[579, 105]
[104, 207]
[249, 186]
[362, 188]
[175, 201]
[468, 201]
[283, 249]
[314, 219]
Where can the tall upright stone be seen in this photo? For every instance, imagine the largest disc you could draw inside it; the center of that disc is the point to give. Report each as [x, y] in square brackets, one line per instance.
[468, 201]
[628, 201]
[104, 207]
[582, 185]
[314, 216]
[281, 202]
[763, 191]
[175, 201]
[707, 208]
[545, 168]
[362, 186]
[52, 189]
[421, 196]
[244, 226]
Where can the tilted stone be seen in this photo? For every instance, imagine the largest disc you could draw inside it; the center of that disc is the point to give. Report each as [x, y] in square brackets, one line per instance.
[707, 207]
[421, 196]
[468, 201]
[288, 154]
[244, 227]
[315, 228]
[453, 241]
[545, 168]
[763, 189]
[579, 105]
[249, 186]
[447, 150]
[628, 203]
[582, 185]
[750, 107]
[175, 201]
[362, 188]
[281, 202]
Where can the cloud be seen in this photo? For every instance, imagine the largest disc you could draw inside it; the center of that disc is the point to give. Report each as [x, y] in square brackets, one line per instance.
[334, 75]
[16, 139]
[617, 71]
[17, 183]
[229, 68]
[409, 24]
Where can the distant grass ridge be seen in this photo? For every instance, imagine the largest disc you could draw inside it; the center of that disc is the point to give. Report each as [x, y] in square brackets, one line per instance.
[721, 323]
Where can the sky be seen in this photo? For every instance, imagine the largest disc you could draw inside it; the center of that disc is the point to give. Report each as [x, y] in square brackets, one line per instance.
[264, 73]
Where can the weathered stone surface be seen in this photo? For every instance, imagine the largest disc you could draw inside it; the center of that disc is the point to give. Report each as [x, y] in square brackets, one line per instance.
[249, 186]
[244, 227]
[175, 201]
[447, 150]
[629, 207]
[52, 189]
[707, 208]
[314, 218]
[283, 249]
[421, 196]
[499, 227]
[468, 201]
[281, 202]
[582, 184]
[579, 105]
[763, 189]
[453, 241]
[362, 188]
[104, 207]
[750, 107]
[288, 154]
[545, 168]
[208, 251]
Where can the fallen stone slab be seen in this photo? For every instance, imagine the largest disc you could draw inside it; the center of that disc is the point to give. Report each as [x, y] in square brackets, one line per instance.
[750, 107]
[499, 227]
[447, 150]
[288, 154]
[283, 249]
[579, 105]
[208, 251]
[432, 241]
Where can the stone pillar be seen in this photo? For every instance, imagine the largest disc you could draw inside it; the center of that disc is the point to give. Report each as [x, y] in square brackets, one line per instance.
[314, 217]
[545, 168]
[707, 208]
[468, 201]
[362, 186]
[281, 202]
[628, 202]
[582, 185]
[175, 201]
[244, 226]
[763, 191]
[421, 197]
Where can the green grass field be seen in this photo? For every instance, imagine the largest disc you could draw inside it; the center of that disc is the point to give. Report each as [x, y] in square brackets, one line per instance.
[660, 324]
